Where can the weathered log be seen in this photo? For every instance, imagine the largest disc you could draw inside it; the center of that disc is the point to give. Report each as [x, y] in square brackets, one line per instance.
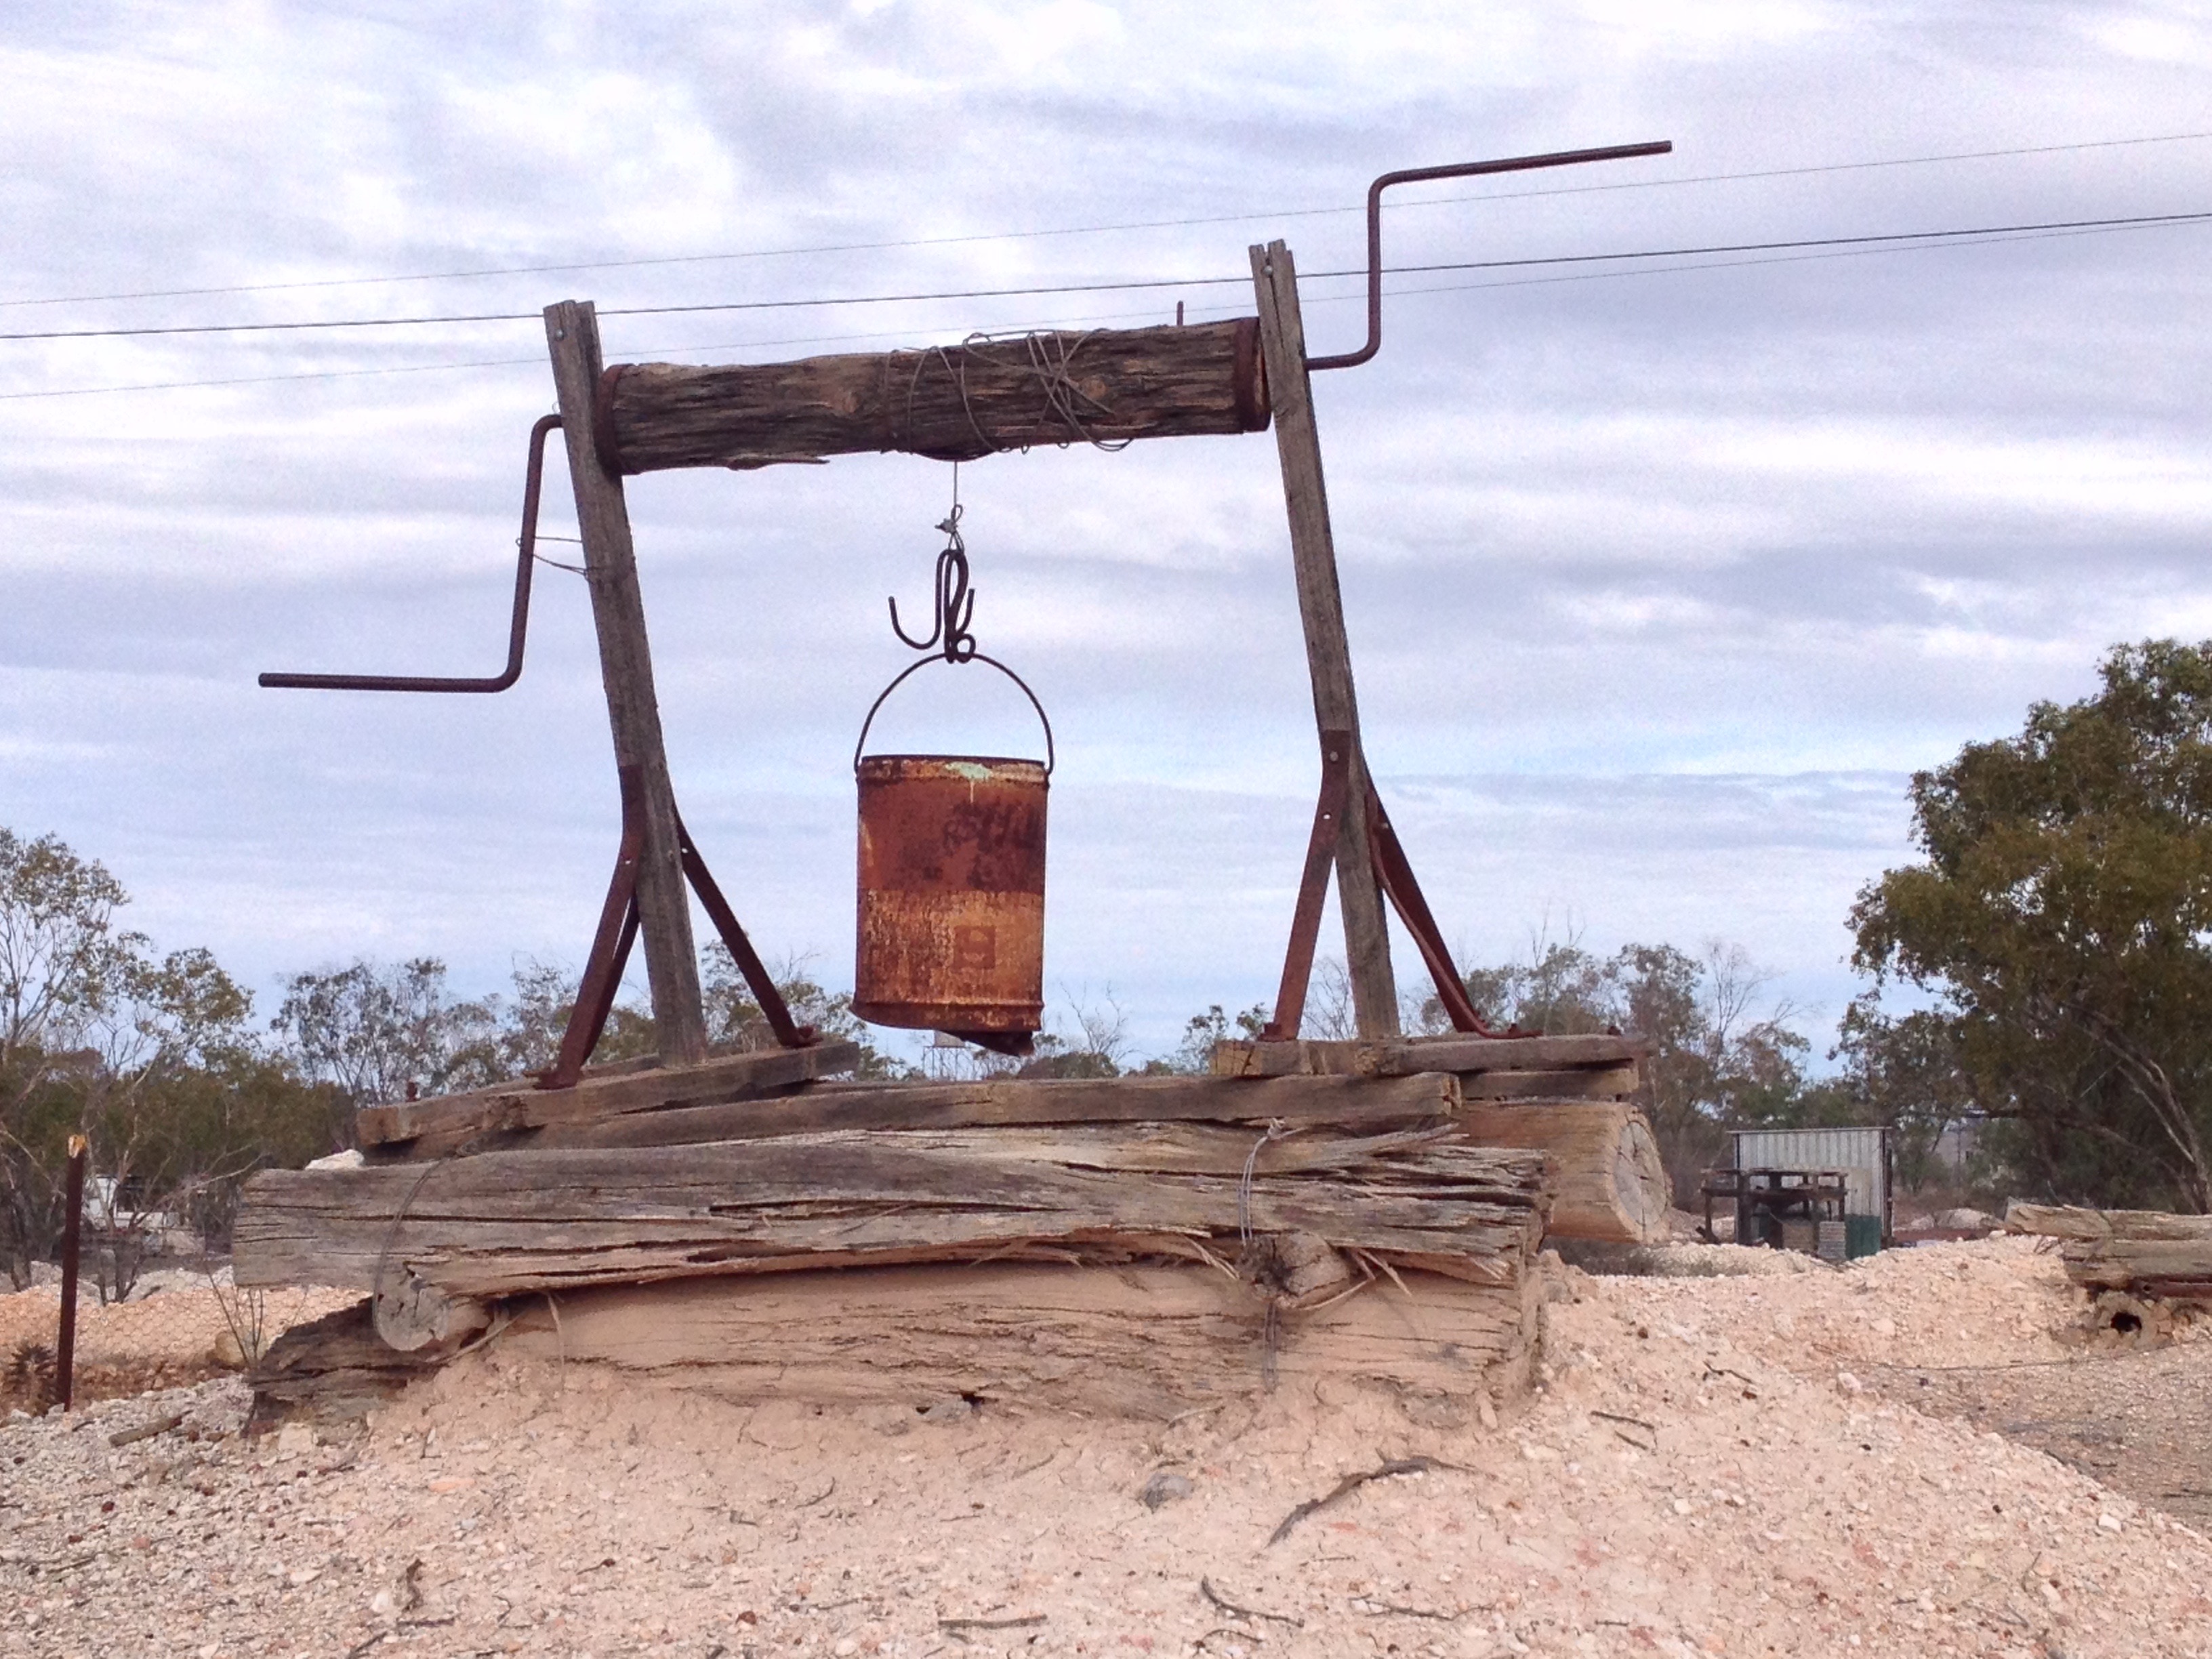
[1144, 1340]
[1402, 1056]
[434, 1128]
[1608, 1185]
[1345, 1102]
[333, 1370]
[498, 1223]
[2145, 1252]
[950, 403]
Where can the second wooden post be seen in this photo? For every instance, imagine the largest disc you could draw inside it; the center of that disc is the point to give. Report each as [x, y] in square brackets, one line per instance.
[1328, 651]
[664, 907]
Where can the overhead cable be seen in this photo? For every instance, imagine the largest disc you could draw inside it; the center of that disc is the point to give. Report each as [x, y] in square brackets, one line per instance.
[674, 259]
[2133, 221]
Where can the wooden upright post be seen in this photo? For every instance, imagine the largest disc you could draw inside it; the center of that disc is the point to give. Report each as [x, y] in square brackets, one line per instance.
[664, 908]
[1328, 652]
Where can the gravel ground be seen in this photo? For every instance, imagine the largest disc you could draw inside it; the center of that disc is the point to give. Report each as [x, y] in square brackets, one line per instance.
[1706, 1469]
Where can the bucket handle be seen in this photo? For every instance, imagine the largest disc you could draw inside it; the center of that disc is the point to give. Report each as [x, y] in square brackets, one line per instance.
[914, 668]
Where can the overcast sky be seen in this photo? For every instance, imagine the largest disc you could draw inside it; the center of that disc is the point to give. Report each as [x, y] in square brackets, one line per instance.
[1660, 580]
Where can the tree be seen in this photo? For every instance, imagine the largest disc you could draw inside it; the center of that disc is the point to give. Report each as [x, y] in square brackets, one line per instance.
[2061, 922]
[372, 1031]
[152, 1060]
[1720, 1057]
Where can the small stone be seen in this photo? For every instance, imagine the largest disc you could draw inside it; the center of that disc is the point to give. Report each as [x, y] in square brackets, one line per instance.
[381, 1604]
[1164, 1488]
[1682, 1506]
[1485, 1412]
[846, 1648]
[955, 1410]
[295, 1440]
[2109, 1522]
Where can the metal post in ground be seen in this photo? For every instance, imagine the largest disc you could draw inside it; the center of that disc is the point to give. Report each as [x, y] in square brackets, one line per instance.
[72, 1224]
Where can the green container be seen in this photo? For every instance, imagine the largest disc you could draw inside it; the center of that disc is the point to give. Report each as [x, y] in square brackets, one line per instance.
[1862, 1236]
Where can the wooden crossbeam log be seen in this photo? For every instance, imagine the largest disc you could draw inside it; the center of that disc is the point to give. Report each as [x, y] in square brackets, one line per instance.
[949, 403]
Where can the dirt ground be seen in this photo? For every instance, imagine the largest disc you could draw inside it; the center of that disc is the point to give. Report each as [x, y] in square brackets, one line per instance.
[1714, 1463]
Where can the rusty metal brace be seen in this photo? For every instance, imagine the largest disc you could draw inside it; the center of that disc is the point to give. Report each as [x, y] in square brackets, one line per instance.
[1395, 874]
[1313, 888]
[617, 934]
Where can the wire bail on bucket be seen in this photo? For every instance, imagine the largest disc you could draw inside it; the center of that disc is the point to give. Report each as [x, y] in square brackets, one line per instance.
[951, 860]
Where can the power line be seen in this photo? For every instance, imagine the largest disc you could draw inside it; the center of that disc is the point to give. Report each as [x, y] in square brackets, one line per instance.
[666, 260]
[1911, 237]
[1956, 239]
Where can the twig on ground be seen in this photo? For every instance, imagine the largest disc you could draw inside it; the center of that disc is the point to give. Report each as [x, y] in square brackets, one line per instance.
[146, 1430]
[1205, 1589]
[954, 1626]
[1651, 1429]
[1350, 1484]
[1381, 1609]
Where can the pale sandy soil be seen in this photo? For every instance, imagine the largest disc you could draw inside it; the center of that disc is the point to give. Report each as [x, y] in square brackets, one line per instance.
[1709, 1468]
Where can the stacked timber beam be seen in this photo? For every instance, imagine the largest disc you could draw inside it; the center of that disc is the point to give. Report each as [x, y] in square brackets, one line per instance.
[2142, 1253]
[760, 1228]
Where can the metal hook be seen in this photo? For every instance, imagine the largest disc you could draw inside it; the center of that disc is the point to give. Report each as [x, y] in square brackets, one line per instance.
[517, 625]
[954, 601]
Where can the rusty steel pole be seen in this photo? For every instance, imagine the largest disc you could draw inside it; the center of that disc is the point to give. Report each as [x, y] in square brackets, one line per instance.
[72, 1230]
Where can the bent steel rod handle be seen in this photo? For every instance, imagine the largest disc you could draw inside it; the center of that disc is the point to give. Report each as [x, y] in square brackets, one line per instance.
[917, 667]
[1564, 158]
[516, 628]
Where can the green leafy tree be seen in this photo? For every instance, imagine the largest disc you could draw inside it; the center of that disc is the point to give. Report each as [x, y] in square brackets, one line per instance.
[152, 1060]
[373, 1032]
[1195, 1055]
[2061, 920]
[1720, 1056]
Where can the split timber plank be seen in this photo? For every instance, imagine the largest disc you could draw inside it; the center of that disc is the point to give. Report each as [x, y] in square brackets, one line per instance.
[821, 1107]
[950, 403]
[1146, 1342]
[2149, 1253]
[1401, 1056]
[497, 1223]
[438, 1126]
[1583, 1083]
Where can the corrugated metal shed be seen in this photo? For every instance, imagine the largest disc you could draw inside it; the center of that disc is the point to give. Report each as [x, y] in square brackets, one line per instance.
[1863, 1154]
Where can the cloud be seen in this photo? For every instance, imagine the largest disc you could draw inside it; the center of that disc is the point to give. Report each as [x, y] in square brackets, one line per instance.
[1658, 585]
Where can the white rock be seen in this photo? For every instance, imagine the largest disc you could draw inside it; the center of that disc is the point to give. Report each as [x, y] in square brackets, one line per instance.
[348, 1159]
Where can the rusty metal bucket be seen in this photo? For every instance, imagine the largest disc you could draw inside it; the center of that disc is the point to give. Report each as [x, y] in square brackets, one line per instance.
[952, 891]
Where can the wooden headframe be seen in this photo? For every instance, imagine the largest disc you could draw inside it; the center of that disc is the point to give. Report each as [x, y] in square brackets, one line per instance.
[1105, 386]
